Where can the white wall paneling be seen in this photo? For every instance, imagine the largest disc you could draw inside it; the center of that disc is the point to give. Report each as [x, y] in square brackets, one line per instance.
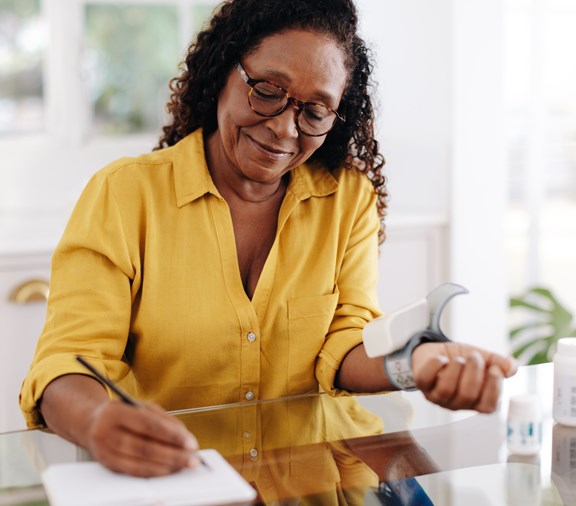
[20, 326]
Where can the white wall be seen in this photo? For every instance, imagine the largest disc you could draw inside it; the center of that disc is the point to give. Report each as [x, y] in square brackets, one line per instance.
[440, 72]
[411, 41]
[41, 179]
[478, 195]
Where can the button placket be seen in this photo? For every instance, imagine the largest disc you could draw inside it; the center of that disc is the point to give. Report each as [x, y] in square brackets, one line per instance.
[250, 349]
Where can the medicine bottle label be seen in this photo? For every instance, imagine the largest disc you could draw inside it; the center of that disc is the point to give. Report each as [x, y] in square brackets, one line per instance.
[523, 436]
[564, 410]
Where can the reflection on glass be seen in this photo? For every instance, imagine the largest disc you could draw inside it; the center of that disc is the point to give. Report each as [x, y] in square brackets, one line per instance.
[292, 451]
[22, 44]
[523, 482]
[132, 51]
[564, 462]
[314, 450]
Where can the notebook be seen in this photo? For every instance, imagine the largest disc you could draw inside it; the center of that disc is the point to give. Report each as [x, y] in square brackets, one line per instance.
[91, 484]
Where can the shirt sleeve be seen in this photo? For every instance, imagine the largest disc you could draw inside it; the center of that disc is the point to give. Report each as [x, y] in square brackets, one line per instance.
[357, 283]
[94, 277]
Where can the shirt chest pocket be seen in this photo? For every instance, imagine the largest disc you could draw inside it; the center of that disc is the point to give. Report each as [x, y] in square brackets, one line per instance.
[308, 323]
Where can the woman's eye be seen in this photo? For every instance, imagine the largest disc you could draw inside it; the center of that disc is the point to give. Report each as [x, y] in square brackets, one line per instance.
[315, 113]
[268, 92]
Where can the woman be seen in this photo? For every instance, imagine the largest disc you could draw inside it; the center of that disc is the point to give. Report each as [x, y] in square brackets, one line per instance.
[239, 262]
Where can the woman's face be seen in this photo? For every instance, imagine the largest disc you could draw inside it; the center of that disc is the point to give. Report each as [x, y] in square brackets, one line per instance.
[311, 68]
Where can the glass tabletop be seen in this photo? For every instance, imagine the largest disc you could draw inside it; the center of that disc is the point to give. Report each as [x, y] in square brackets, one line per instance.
[517, 483]
[345, 450]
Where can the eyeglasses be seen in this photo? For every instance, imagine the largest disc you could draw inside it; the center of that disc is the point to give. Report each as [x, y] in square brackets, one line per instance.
[268, 99]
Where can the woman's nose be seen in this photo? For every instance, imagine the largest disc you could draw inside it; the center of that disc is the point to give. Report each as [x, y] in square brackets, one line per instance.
[285, 124]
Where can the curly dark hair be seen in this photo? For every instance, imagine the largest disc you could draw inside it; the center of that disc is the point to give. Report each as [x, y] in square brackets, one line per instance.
[236, 29]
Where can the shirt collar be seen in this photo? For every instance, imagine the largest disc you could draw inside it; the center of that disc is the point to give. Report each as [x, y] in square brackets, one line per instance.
[312, 180]
[192, 178]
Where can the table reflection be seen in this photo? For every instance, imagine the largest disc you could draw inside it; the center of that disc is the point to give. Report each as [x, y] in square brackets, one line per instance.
[563, 473]
[312, 450]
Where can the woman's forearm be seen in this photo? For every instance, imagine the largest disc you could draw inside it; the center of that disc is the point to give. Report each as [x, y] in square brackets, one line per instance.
[360, 373]
[68, 405]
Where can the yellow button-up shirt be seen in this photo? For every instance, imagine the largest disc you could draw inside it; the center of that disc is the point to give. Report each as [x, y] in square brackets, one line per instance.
[145, 284]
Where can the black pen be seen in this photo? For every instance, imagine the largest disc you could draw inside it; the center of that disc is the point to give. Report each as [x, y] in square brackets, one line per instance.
[120, 393]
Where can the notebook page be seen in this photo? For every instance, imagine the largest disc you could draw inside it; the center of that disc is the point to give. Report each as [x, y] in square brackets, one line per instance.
[216, 483]
[91, 484]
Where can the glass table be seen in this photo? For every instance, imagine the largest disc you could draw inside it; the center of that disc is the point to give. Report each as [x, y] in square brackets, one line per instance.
[395, 449]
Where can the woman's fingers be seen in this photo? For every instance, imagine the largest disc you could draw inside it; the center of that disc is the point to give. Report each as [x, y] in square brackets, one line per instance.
[488, 401]
[156, 423]
[426, 374]
[458, 376]
[123, 464]
[140, 442]
[507, 365]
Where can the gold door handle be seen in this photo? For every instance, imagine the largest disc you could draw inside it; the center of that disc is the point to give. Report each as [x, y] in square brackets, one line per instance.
[33, 290]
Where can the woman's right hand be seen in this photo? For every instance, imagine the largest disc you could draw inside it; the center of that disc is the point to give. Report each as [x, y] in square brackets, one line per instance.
[132, 440]
[139, 441]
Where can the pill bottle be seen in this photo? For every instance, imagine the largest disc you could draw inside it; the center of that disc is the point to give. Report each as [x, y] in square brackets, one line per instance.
[524, 425]
[564, 398]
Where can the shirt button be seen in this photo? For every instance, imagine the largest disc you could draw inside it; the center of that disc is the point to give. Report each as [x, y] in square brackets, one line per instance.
[251, 337]
[253, 453]
[247, 435]
[249, 395]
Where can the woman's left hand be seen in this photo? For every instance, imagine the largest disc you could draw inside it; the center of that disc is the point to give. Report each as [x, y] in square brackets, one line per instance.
[460, 376]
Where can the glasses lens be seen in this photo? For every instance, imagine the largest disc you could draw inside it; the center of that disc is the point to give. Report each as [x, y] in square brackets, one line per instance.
[315, 119]
[267, 99]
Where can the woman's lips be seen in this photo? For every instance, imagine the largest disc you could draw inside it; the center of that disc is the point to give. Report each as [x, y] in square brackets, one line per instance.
[269, 151]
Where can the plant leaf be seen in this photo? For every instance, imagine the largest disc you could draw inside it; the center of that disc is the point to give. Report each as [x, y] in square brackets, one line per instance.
[536, 340]
[527, 326]
[539, 358]
[527, 305]
[520, 350]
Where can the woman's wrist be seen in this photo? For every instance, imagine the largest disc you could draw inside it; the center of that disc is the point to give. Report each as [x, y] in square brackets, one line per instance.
[69, 405]
[398, 364]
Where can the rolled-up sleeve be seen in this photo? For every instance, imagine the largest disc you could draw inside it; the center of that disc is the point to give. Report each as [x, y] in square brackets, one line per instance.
[356, 283]
[93, 281]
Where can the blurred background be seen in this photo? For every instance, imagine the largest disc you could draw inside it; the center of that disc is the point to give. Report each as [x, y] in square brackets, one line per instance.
[476, 117]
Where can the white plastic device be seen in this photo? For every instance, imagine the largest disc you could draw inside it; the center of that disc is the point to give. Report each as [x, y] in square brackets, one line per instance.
[392, 331]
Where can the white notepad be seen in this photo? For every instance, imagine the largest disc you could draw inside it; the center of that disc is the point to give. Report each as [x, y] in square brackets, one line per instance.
[91, 484]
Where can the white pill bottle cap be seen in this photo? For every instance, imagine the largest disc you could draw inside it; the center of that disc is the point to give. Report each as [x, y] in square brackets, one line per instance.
[566, 347]
[526, 406]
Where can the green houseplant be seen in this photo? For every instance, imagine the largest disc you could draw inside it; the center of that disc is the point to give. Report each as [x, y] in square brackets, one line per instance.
[541, 321]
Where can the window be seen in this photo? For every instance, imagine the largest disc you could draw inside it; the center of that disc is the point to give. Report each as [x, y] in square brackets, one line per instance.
[122, 44]
[85, 68]
[541, 79]
[22, 49]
